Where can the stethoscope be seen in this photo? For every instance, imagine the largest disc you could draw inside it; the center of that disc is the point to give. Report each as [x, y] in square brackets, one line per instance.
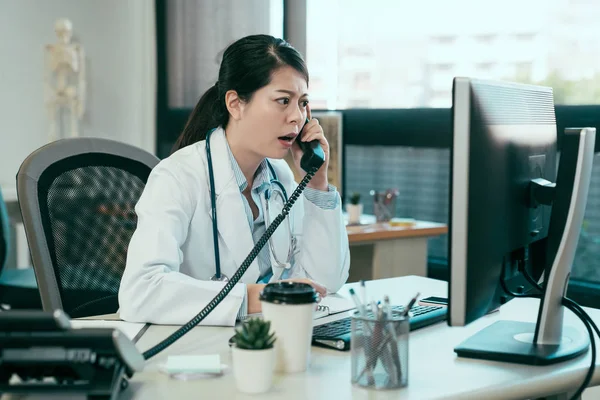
[218, 276]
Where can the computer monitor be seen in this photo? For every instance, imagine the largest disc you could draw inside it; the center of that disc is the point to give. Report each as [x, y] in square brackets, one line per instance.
[507, 215]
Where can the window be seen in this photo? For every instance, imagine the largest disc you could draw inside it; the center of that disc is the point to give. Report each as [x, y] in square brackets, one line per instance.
[444, 40]
[525, 37]
[585, 265]
[415, 172]
[362, 80]
[443, 67]
[523, 71]
[438, 97]
[198, 31]
[400, 38]
[484, 68]
[412, 67]
[485, 39]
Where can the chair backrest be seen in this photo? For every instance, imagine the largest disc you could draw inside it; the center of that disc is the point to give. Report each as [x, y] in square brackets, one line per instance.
[77, 199]
[4, 233]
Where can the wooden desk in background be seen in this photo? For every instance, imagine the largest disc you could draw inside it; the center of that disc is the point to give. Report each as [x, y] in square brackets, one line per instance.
[379, 250]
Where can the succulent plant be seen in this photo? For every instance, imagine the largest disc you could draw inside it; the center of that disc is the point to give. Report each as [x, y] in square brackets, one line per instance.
[254, 335]
[355, 198]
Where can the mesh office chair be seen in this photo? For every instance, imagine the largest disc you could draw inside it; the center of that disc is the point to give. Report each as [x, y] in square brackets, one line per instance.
[77, 199]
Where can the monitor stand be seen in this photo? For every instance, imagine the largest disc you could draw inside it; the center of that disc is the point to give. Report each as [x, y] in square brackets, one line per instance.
[513, 341]
[547, 342]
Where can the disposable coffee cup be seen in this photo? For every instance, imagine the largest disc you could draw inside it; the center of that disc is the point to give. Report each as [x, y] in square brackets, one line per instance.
[290, 306]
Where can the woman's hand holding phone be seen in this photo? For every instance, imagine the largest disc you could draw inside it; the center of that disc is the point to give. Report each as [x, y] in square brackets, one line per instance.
[309, 132]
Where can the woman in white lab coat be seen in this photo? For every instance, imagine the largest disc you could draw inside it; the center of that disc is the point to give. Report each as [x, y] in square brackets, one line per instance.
[252, 115]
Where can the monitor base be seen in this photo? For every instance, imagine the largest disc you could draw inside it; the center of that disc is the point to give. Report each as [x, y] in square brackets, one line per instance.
[512, 341]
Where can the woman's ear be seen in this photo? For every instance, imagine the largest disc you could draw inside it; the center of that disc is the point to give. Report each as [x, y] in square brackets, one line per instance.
[233, 104]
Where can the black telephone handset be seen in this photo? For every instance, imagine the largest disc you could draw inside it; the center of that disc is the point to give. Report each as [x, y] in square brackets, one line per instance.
[313, 155]
[37, 345]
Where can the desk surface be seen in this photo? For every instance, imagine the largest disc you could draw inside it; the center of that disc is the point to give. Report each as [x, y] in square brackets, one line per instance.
[435, 372]
[383, 231]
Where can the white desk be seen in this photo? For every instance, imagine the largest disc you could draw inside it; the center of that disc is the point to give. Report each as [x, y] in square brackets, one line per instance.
[434, 373]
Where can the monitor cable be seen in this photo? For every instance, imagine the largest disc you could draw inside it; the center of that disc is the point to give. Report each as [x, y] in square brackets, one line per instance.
[575, 309]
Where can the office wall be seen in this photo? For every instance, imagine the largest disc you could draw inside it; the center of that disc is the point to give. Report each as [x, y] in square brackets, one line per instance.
[119, 40]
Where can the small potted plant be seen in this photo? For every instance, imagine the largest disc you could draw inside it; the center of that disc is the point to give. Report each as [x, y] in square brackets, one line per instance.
[253, 356]
[354, 209]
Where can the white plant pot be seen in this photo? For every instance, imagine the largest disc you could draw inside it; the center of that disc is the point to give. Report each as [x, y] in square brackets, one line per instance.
[253, 369]
[354, 212]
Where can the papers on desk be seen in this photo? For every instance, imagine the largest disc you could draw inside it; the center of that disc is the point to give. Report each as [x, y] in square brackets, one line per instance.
[333, 304]
[203, 364]
[130, 329]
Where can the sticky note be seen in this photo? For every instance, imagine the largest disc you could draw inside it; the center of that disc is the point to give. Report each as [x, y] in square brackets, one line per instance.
[208, 364]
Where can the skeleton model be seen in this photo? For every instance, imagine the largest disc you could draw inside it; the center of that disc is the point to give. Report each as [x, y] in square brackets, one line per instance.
[64, 82]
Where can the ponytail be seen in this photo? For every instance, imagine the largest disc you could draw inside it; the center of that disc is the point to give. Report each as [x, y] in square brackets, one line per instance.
[206, 115]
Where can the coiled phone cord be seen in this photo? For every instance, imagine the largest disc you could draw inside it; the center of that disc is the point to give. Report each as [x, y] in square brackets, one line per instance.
[238, 274]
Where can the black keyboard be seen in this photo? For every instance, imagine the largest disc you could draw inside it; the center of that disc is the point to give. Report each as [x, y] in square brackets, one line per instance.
[336, 334]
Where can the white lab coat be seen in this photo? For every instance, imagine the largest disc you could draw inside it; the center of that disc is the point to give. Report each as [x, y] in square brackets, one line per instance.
[170, 258]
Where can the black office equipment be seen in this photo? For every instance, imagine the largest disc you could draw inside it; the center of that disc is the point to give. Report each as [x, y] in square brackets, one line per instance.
[41, 354]
[514, 210]
[336, 334]
[313, 154]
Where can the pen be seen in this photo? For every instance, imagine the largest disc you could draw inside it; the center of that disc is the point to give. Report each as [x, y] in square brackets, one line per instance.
[374, 308]
[410, 304]
[380, 311]
[377, 343]
[386, 354]
[363, 291]
[359, 305]
[393, 341]
[386, 307]
[366, 334]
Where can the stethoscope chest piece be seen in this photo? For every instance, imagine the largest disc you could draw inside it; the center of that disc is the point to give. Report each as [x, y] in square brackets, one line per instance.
[223, 278]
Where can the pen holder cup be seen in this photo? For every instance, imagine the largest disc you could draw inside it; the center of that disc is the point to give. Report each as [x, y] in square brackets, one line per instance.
[379, 351]
[384, 204]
